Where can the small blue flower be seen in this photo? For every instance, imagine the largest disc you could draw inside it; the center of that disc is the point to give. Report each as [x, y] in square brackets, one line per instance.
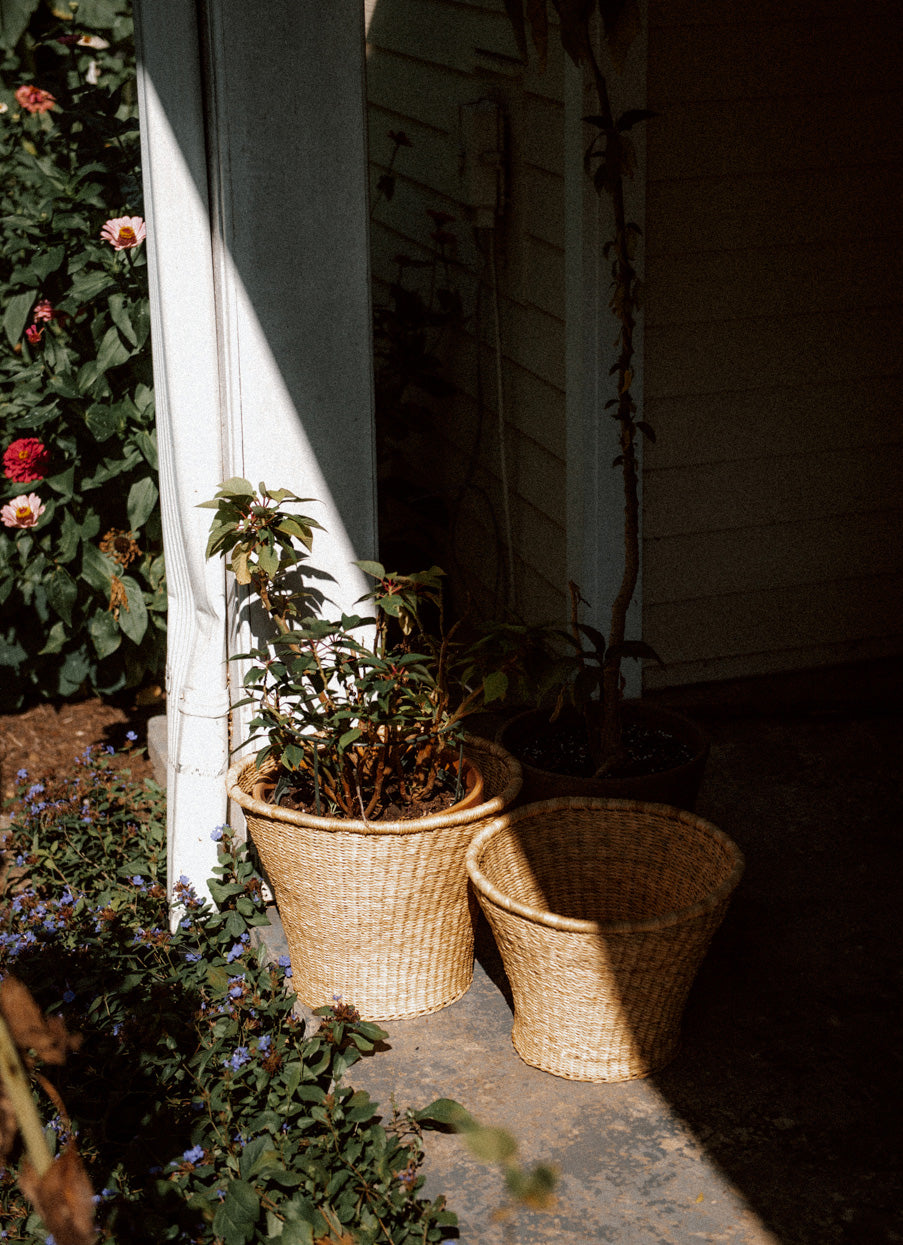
[68, 996]
[235, 952]
[194, 1155]
[264, 1044]
[131, 736]
[238, 1058]
[216, 834]
[21, 774]
[137, 880]
[191, 957]
[286, 965]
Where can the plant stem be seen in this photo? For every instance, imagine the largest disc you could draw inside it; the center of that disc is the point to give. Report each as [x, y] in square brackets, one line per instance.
[623, 306]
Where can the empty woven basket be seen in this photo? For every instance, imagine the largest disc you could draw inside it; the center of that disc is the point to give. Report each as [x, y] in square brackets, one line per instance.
[602, 911]
[377, 913]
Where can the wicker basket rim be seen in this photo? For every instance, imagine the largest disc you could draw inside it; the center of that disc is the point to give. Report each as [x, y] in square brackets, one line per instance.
[333, 825]
[575, 925]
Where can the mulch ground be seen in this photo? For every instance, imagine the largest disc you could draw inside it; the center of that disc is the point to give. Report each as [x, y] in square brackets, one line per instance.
[46, 739]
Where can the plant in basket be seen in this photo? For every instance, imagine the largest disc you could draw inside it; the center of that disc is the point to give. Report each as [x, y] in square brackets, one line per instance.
[358, 711]
[609, 735]
[367, 790]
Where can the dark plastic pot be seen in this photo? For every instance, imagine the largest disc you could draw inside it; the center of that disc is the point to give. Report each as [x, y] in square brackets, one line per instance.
[678, 786]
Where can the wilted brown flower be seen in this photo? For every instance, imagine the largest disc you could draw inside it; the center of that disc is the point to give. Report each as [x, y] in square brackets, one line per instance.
[118, 598]
[121, 546]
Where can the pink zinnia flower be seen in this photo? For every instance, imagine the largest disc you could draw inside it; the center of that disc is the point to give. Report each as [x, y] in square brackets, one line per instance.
[43, 311]
[26, 460]
[33, 99]
[34, 334]
[124, 232]
[22, 511]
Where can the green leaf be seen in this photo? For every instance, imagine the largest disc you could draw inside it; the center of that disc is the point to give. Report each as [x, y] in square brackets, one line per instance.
[147, 444]
[121, 319]
[142, 499]
[87, 286]
[97, 569]
[133, 620]
[445, 1112]
[56, 638]
[103, 420]
[237, 1214]
[44, 264]
[375, 569]
[105, 634]
[236, 486]
[495, 686]
[16, 313]
[112, 352]
[61, 593]
[14, 18]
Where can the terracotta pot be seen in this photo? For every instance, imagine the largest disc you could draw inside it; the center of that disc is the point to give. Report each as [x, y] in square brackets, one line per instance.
[378, 913]
[678, 786]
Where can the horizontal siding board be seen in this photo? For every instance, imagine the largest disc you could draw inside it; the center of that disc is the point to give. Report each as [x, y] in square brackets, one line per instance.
[826, 55]
[809, 207]
[694, 428]
[773, 661]
[734, 355]
[843, 612]
[796, 489]
[440, 33]
[771, 135]
[774, 281]
[814, 551]
[765, 13]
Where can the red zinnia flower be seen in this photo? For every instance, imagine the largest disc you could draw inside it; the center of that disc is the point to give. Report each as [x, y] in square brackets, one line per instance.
[34, 334]
[26, 459]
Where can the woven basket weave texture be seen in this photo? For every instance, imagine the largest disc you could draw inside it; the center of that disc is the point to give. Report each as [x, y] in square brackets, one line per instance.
[376, 913]
[602, 911]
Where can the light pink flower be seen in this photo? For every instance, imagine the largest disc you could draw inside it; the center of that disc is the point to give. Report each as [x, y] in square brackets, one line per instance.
[22, 511]
[124, 232]
[25, 460]
[33, 99]
[43, 311]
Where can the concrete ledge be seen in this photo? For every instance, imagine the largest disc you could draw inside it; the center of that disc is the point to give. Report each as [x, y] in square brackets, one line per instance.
[157, 747]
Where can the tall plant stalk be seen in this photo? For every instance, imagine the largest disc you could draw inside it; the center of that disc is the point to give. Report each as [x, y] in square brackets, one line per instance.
[609, 160]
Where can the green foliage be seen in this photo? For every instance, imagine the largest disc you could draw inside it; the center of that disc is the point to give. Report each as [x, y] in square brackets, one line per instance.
[202, 1107]
[348, 720]
[82, 596]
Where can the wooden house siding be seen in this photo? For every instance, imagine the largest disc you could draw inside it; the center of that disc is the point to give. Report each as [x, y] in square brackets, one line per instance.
[425, 59]
[773, 329]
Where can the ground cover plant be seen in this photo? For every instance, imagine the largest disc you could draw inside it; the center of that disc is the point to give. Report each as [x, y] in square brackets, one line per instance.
[82, 595]
[201, 1108]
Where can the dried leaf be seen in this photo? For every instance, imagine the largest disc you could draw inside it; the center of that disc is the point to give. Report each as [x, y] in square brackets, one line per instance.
[8, 1125]
[63, 1197]
[30, 1029]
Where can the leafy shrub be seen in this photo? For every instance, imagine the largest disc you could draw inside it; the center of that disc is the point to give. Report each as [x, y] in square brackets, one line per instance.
[82, 597]
[201, 1107]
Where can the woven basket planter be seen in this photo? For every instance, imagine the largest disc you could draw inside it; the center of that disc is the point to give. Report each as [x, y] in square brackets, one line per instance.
[602, 911]
[377, 913]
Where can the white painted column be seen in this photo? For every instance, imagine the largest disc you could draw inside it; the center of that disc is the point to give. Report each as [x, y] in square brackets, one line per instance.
[253, 149]
[595, 521]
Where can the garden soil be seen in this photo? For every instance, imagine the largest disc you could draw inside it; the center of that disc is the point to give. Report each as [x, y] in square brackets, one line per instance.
[45, 739]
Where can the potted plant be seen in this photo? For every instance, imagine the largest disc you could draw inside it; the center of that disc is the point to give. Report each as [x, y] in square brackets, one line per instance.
[590, 715]
[366, 791]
